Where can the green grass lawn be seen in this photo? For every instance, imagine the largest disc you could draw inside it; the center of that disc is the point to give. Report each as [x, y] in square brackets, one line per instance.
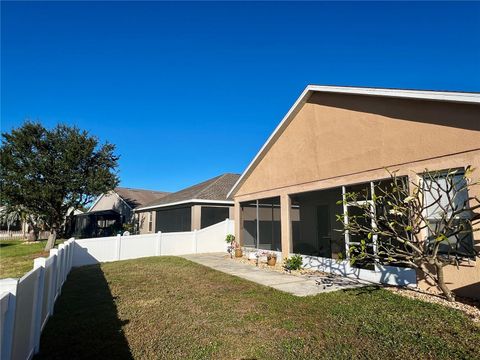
[170, 308]
[16, 257]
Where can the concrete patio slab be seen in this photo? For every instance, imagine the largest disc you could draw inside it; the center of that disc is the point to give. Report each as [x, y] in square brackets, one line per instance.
[293, 284]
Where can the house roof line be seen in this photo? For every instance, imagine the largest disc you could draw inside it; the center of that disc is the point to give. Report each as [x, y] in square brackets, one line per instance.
[101, 196]
[95, 202]
[215, 188]
[189, 201]
[463, 97]
[124, 200]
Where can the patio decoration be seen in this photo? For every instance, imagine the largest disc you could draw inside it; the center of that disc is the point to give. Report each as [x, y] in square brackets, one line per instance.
[230, 240]
[271, 258]
[234, 246]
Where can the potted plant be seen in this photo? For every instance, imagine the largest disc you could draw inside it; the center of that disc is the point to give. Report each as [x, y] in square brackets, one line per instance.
[238, 249]
[271, 258]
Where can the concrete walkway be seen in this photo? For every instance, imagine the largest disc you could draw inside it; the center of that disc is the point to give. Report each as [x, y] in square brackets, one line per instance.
[293, 284]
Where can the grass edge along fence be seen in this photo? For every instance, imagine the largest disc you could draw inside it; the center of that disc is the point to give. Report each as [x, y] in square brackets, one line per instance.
[27, 303]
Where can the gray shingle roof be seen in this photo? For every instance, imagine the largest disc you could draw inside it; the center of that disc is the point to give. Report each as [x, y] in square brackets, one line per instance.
[139, 197]
[213, 189]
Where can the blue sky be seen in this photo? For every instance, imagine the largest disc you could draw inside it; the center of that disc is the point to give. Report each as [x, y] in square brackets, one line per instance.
[188, 91]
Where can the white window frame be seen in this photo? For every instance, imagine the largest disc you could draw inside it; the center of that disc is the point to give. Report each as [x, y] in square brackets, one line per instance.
[345, 217]
[150, 221]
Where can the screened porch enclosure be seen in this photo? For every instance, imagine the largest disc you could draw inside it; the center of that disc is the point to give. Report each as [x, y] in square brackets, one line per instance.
[315, 229]
[174, 219]
[261, 224]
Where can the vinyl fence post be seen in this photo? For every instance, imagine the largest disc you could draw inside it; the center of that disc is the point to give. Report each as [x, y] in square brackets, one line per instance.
[71, 254]
[38, 263]
[158, 244]
[119, 245]
[7, 328]
[61, 251]
[67, 257]
[54, 253]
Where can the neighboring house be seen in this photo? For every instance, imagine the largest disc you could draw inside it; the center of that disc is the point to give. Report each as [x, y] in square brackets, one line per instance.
[124, 200]
[193, 208]
[111, 210]
[339, 139]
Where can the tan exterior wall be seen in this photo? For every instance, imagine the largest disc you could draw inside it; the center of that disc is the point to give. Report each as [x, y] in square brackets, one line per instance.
[196, 217]
[339, 135]
[337, 140]
[111, 201]
[143, 219]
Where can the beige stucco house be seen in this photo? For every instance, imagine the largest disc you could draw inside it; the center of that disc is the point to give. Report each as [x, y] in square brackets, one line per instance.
[124, 200]
[335, 139]
[111, 210]
[192, 208]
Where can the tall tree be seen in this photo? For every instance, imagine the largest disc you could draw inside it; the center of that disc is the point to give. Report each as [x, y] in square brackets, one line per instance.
[48, 172]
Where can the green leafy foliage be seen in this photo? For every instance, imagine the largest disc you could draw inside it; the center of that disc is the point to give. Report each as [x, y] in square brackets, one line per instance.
[48, 172]
[294, 262]
[230, 238]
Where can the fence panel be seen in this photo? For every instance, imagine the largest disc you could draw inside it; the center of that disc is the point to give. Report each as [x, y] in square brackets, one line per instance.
[212, 238]
[178, 243]
[58, 285]
[48, 294]
[13, 235]
[23, 336]
[7, 318]
[137, 246]
[96, 250]
[93, 251]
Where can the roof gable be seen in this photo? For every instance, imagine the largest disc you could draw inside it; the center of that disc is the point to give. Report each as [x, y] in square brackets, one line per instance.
[441, 96]
[138, 197]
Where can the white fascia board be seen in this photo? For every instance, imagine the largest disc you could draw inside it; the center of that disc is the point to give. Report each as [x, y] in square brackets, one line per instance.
[409, 94]
[191, 201]
[296, 106]
[472, 98]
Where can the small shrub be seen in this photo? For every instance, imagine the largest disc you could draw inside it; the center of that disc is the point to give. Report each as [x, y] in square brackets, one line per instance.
[128, 227]
[230, 238]
[294, 262]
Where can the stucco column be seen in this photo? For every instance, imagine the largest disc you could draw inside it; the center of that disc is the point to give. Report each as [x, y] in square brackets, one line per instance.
[237, 216]
[196, 217]
[154, 221]
[286, 225]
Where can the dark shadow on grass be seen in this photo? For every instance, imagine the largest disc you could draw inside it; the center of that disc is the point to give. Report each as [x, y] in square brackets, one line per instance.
[85, 324]
[364, 289]
[5, 245]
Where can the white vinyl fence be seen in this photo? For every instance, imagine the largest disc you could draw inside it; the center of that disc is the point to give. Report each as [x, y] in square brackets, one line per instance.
[27, 303]
[114, 248]
[20, 235]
